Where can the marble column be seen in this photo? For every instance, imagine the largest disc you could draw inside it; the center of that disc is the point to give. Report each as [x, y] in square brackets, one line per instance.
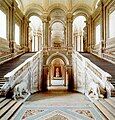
[25, 33]
[11, 27]
[65, 41]
[65, 78]
[76, 42]
[44, 78]
[90, 32]
[38, 42]
[49, 40]
[34, 43]
[45, 31]
[103, 34]
[69, 29]
[70, 78]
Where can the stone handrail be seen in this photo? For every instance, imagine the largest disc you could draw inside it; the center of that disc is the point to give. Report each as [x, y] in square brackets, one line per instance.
[88, 72]
[22, 72]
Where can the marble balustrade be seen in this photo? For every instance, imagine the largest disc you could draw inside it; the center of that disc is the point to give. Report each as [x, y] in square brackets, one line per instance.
[86, 72]
[28, 71]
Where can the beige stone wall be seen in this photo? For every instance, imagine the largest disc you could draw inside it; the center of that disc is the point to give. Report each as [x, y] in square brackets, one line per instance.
[4, 47]
[13, 15]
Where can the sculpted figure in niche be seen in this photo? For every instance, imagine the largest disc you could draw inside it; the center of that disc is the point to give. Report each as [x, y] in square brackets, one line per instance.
[57, 72]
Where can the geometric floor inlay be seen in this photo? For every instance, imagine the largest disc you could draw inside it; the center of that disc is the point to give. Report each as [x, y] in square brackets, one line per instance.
[29, 113]
[57, 117]
[86, 113]
[58, 105]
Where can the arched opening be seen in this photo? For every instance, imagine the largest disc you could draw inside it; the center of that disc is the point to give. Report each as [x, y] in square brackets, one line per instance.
[3, 24]
[78, 33]
[57, 75]
[57, 34]
[57, 68]
[57, 28]
[35, 33]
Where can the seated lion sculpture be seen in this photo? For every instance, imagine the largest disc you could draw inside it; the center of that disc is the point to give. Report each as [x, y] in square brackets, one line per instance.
[19, 89]
[94, 88]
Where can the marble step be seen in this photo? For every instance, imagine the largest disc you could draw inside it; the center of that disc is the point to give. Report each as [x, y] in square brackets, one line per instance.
[3, 103]
[105, 112]
[110, 108]
[111, 102]
[113, 98]
[11, 112]
[6, 108]
[103, 64]
[1, 84]
[1, 99]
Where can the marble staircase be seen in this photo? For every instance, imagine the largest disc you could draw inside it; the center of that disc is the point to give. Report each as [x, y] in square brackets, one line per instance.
[8, 107]
[10, 65]
[104, 65]
[107, 107]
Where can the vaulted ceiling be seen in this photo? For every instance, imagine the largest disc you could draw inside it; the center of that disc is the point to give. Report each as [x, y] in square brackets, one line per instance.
[44, 5]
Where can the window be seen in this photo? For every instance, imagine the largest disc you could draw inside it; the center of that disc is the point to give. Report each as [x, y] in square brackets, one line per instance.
[98, 35]
[111, 25]
[17, 34]
[2, 25]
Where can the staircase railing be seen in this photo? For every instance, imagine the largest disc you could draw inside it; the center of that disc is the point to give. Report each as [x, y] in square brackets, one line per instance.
[28, 71]
[88, 76]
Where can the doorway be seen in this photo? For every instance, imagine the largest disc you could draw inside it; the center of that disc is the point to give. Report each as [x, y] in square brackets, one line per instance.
[57, 75]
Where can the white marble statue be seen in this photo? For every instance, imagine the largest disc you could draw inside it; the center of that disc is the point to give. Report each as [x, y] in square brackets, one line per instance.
[94, 88]
[57, 72]
[19, 89]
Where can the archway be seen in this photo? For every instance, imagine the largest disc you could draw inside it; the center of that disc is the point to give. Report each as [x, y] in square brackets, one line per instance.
[35, 33]
[79, 33]
[56, 65]
[57, 74]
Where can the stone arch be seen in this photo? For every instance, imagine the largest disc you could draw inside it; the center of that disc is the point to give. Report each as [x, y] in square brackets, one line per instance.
[57, 55]
[36, 10]
[82, 8]
[54, 21]
[20, 4]
[80, 13]
[55, 6]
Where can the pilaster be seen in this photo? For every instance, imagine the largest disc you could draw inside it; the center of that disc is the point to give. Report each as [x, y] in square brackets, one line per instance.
[45, 31]
[11, 26]
[70, 78]
[69, 29]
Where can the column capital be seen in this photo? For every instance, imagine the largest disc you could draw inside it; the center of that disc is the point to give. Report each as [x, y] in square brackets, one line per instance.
[46, 17]
[69, 17]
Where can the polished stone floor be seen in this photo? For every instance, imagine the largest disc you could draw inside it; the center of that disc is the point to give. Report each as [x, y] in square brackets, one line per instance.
[57, 82]
[58, 104]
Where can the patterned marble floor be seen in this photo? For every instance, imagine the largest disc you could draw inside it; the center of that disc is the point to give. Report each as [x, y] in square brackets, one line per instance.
[58, 104]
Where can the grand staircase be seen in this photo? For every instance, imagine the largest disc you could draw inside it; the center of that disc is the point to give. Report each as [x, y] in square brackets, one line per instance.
[8, 107]
[107, 107]
[104, 65]
[10, 65]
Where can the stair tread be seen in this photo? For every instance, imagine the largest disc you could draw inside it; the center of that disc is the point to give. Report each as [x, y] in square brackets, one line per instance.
[11, 111]
[111, 102]
[103, 64]
[6, 101]
[1, 99]
[113, 98]
[7, 107]
[108, 106]
[104, 111]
